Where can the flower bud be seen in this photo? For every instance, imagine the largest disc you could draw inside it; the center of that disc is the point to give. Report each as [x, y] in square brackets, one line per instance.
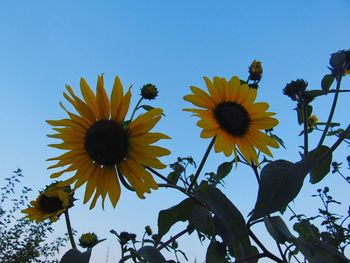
[148, 230]
[312, 121]
[149, 91]
[255, 70]
[88, 240]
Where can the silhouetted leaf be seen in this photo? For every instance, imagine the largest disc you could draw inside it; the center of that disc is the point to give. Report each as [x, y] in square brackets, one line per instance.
[180, 212]
[151, 254]
[280, 183]
[277, 229]
[216, 252]
[75, 256]
[227, 213]
[323, 168]
[202, 220]
[223, 170]
[300, 113]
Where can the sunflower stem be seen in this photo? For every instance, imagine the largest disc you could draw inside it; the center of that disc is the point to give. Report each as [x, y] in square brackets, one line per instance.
[255, 169]
[305, 130]
[136, 107]
[123, 181]
[159, 175]
[69, 229]
[335, 99]
[200, 167]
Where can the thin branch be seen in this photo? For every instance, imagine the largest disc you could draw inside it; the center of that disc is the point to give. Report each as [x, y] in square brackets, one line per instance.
[163, 245]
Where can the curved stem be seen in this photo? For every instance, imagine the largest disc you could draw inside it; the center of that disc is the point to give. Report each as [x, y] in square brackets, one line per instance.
[123, 181]
[255, 169]
[335, 99]
[69, 229]
[136, 107]
[200, 167]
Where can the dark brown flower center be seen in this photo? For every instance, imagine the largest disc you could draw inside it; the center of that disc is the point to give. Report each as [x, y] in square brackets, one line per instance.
[106, 142]
[50, 204]
[233, 118]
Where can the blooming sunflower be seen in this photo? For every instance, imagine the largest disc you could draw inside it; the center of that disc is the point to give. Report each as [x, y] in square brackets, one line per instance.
[230, 113]
[100, 144]
[50, 203]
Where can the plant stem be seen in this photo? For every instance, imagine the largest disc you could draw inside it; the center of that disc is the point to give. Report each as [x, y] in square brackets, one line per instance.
[306, 145]
[335, 99]
[255, 169]
[136, 107]
[163, 245]
[123, 181]
[342, 136]
[69, 229]
[264, 249]
[200, 167]
[183, 190]
[159, 175]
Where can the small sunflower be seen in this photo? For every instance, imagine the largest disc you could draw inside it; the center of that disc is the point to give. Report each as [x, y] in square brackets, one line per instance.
[230, 113]
[100, 144]
[312, 121]
[50, 203]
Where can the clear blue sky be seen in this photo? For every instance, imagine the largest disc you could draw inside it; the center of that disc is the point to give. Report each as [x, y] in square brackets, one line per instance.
[47, 44]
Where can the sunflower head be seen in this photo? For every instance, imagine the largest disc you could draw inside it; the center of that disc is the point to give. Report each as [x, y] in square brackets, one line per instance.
[295, 89]
[255, 70]
[340, 62]
[230, 114]
[149, 91]
[88, 240]
[50, 203]
[101, 145]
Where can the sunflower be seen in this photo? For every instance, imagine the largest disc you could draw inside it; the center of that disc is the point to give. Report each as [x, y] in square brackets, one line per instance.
[230, 113]
[50, 203]
[100, 144]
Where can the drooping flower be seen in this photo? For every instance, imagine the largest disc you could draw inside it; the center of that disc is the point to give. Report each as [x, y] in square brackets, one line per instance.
[50, 204]
[101, 144]
[230, 113]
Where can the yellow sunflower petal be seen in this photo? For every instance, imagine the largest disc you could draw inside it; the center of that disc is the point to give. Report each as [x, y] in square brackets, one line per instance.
[102, 99]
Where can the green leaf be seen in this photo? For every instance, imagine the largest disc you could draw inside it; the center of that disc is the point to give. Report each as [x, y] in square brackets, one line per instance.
[327, 82]
[216, 252]
[167, 218]
[323, 168]
[278, 139]
[306, 230]
[280, 183]
[173, 177]
[278, 229]
[75, 256]
[151, 254]
[223, 170]
[148, 108]
[202, 220]
[230, 217]
[300, 113]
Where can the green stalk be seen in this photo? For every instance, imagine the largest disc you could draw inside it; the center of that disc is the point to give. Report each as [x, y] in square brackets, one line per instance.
[200, 167]
[69, 229]
[136, 107]
[306, 145]
[331, 113]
